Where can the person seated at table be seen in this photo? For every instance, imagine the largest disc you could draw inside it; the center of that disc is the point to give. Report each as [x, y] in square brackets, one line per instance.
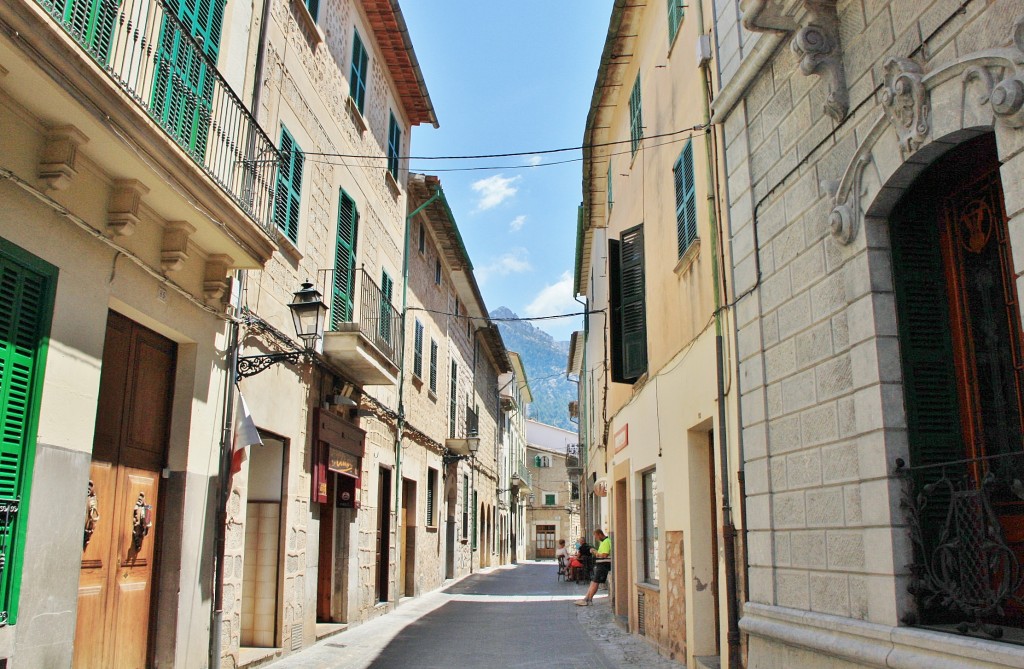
[562, 551]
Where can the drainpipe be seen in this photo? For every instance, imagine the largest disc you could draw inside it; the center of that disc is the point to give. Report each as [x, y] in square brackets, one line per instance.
[400, 423]
[728, 526]
[224, 484]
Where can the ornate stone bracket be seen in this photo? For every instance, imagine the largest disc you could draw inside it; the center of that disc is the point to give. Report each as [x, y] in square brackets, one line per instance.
[174, 250]
[57, 164]
[215, 277]
[906, 103]
[816, 42]
[123, 209]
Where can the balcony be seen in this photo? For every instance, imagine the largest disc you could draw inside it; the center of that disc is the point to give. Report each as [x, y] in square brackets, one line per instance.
[573, 467]
[173, 121]
[966, 520]
[370, 347]
[522, 479]
[466, 446]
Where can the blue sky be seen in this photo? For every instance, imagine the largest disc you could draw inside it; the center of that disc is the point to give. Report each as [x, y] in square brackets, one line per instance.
[511, 77]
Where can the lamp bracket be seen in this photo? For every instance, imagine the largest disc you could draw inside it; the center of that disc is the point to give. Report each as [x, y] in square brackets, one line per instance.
[448, 458]
[251, 365]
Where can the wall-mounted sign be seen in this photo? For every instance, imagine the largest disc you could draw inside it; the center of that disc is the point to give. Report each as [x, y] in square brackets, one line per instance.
[601, 487]
[622, 437]
[343, 463]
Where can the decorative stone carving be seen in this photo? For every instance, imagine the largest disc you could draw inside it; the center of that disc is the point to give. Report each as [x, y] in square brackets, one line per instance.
[1007, 96]
[905, 102]
[57, 164]
[123, 209]
[174, 250]
[215, 277]
[816, 42]
[846, 215]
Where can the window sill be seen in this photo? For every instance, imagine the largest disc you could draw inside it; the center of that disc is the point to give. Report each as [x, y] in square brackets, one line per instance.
[392, 182]
[417, 381]
[357, 116]
[308, 23]
[689, 257]
[647, 585]
[432, 395]
[288, 247]
[430, 528]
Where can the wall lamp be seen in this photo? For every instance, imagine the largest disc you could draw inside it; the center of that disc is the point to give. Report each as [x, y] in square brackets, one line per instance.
[308, 315]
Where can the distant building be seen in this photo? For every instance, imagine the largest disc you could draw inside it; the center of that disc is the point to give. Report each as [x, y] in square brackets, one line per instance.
[554, 500]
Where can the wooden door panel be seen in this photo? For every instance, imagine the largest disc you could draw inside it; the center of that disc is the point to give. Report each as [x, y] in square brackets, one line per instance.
[93, 593]
[113, 379]
[151, 389]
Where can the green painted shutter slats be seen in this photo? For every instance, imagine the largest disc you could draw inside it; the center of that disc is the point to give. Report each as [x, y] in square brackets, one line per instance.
[358, 72]
[183, 82]
[615, 306]
[686, 199]
[386, 288]
[394, 145]
[417, 354]
[288, 199]
[91, 22]
[636, 127]
[344, 261]
[25, 308]
[453, 401]
[634, 303]
[675, 17]
[431, 483]
[433, 365]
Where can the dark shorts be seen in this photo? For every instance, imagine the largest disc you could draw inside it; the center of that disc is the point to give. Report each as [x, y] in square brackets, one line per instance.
[601, 570]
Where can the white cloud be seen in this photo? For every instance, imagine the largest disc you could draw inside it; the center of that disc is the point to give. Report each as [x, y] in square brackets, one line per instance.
[554, 298]
[533, 161]
[515, 261]
[517, 223]
[494, 190]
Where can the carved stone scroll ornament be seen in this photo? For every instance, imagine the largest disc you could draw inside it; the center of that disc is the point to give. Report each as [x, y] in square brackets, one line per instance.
[905, 102]
[846, 215]
[816, 43]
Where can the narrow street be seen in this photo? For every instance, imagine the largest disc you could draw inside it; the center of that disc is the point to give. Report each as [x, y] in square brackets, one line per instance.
[511, 616]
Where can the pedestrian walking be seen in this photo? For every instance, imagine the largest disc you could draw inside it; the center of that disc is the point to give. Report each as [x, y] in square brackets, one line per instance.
[602, 565]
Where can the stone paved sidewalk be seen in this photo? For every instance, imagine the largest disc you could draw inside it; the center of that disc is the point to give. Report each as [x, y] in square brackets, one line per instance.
[511, 616]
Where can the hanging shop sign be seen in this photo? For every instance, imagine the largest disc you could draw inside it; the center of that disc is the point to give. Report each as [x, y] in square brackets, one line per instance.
[339, 448]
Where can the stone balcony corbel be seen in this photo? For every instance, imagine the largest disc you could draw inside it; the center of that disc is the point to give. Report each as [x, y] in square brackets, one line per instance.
[123, 209]
[60, 153]
[174, 249]
[814, 25]
[215, 278]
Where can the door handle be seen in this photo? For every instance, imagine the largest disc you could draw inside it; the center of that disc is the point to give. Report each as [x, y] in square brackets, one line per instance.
[142, 520]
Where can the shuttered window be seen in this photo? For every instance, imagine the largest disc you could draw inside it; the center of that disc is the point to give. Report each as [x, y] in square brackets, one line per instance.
[26, 304]
[611, 199]
[465, 506]
[91, 22]
[686, 199]
[386, 288]
[629, 307]
[314, 8]
[288, 199]
[636, 128]
[358, 74]
[433, 365]
[476, 502]
[417, 352]
[344, 261]
[394, 145]
[183, 79]
[431, 486]
[615, 307]
[675, 17]
[453, 402]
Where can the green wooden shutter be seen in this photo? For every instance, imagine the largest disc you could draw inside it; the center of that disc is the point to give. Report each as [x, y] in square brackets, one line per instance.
[358, 71]
[634, 303]
[185, 72]
[686, 199]
[675, 17]
[433, 365]
[615, 307]
[417, 354]
[431, 484]
[314, 8]
[636, 128]
[453, 400]
[344, 261]
[394, 145]
[288, 198]
[26, 303]
[91, 22]
[926, 349]
[386, 288]
[475, 504]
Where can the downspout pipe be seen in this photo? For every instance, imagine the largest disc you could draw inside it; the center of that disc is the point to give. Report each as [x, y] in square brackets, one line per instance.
[728, 525]
[400, 423]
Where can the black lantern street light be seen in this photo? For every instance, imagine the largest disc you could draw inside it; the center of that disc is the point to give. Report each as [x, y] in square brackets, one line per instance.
[309, 314]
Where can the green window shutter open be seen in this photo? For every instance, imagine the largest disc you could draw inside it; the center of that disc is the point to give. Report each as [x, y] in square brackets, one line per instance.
[686, 199]
[91, 22]
[431, 483]
[633, 315]
[183, 78]
[453, 400]
[417, 354]
[636, 127]
[675, 17]
[314, 8]
[433, 365]
[394, 145]
[357, 74]
[26, 304]
[344, 261]
[386, 289]
[288, 199]
[615, 309]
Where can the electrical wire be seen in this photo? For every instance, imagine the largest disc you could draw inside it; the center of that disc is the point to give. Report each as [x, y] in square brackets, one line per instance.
[505, 320]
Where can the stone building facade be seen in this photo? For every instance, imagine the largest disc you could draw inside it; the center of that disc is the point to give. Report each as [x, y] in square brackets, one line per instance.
[873, 152]
[553, 513]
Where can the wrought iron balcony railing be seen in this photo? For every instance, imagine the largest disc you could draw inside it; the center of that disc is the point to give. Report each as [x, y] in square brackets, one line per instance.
[8, 535]
[966, 518]
[378, 320]
[523, 474]
[169, 69]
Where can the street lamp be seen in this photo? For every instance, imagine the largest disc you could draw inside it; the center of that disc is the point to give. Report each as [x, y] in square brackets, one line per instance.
[308, 315]
[471, 446]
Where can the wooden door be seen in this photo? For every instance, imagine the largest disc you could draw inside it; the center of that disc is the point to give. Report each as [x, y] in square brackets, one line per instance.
[129, 449]
[408, 573]
[545, 541]
[383, 534]
[325, 566]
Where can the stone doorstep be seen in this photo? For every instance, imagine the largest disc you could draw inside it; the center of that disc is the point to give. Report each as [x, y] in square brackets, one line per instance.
[324, 630]
[251, 657]
[708, 662]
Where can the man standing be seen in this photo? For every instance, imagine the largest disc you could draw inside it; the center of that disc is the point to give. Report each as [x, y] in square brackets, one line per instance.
[602, 565]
